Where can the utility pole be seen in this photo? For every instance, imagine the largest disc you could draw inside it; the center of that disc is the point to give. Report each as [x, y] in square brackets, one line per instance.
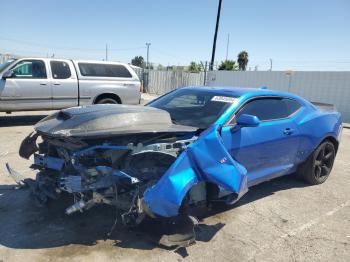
[228, 43]
[270, 64]
[215, 36]
[148, 44]
[106, 52]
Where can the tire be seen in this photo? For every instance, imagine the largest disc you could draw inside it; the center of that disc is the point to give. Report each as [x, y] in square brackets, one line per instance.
[316, 169]
[107, 100]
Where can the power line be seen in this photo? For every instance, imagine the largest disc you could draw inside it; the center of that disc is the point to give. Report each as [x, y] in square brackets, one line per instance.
[69, 48]
[168, 54]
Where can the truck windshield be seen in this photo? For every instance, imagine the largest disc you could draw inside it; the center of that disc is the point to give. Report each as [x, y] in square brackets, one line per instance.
[5, 65]
[194, 107]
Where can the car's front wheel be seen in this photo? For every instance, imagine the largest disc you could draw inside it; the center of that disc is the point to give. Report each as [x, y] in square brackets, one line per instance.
[318, 166]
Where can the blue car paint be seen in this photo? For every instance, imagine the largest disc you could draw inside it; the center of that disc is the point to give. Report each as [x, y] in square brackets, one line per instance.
[165, 197]
[195, 165]
[264, 149]
[236, 159]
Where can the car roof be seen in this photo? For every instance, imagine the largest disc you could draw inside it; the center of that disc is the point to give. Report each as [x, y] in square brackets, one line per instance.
[241, 91]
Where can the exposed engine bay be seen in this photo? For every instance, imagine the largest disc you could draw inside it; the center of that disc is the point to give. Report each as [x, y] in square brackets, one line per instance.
[114, 173]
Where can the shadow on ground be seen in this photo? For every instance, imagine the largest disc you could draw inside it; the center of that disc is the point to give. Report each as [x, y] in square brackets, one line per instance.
[23, 226]
[25, 120]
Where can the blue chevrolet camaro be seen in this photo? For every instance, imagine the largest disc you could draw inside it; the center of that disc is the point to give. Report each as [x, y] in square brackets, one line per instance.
[191, 146]
[250, 136]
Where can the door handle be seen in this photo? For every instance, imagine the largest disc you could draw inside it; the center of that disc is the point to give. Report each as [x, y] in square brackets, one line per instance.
[56, 84]
[288, 131]
[43, 84]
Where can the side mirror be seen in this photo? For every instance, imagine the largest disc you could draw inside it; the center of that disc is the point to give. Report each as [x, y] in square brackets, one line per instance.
[248, 121]
[8, 74]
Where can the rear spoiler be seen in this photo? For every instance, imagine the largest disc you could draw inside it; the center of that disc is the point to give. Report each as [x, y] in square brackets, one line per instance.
[324, 106]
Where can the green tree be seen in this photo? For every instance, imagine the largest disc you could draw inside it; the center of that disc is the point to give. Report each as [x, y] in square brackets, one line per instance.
[160, 67]
[242, 60]
[138, 61]
[228, 65]
[194, 67]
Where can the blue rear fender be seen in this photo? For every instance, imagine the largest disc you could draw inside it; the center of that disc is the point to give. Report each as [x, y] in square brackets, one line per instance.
[314, 128]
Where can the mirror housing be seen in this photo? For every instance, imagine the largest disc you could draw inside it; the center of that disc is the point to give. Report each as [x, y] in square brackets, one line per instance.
[8, 74]
[246, 120]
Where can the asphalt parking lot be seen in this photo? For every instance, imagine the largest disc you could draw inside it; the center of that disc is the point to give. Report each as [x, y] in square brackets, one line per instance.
[281, 220]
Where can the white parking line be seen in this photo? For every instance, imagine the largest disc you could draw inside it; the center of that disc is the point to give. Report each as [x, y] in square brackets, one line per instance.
[315, 221]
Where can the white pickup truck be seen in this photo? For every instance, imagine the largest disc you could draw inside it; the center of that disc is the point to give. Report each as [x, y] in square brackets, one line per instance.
[48, 83]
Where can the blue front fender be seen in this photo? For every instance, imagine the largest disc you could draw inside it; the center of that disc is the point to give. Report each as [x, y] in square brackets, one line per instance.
[205, 160]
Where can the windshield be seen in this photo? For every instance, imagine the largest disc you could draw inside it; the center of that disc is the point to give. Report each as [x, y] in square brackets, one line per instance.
[194, 107]
[5, 65]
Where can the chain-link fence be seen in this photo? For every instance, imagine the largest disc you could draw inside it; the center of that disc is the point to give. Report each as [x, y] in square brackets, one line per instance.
[161, 82]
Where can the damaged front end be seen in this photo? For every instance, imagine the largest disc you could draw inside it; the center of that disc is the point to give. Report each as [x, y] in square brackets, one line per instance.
[130, 157]
[110, 174]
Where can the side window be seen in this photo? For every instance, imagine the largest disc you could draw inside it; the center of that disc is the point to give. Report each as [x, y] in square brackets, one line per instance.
[104, 70]
[30, 69]
[270, 108]
[60, 70]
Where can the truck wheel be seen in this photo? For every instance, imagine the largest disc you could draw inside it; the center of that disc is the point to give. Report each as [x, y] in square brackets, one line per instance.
[316, 169]
[107, 101]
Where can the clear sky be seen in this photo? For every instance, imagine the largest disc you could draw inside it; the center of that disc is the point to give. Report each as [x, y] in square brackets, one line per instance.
[295, 34]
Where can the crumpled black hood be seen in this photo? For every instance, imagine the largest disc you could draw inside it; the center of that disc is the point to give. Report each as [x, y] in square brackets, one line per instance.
[108, 119]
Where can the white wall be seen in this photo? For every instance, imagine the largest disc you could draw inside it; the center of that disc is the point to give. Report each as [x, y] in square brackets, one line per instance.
[326, 87]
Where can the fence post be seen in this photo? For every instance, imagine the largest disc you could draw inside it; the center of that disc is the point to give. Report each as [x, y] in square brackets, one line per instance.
[145, 76]
[205, 73]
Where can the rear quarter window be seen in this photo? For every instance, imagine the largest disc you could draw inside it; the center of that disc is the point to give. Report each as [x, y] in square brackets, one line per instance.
[104, 70]
[291, 105]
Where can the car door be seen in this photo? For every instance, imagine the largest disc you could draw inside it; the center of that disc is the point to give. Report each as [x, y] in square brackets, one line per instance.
[269, 149]
[29, 88]
[64, 84]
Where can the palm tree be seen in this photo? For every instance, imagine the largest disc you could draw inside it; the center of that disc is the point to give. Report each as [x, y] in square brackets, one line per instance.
[228, 65]
[242, 60]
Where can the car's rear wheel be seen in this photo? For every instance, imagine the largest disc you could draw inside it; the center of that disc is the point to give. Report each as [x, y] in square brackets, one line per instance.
[318, 166]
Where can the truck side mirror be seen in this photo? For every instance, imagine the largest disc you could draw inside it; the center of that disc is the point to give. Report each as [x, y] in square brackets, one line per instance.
[8, 74]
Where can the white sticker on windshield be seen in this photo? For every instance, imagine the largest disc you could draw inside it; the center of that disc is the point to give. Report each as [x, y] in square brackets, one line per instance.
[225, 99]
